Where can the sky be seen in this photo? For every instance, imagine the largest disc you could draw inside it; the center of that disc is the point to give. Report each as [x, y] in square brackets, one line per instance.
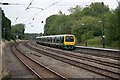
[39, 10]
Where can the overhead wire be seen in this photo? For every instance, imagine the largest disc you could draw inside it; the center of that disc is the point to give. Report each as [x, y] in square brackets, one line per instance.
[36, 8]
[25, 9]
[42, 9]
[29, 4]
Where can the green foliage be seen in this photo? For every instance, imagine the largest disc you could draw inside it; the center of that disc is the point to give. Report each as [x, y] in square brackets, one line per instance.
[31, 36]
[111, 31]
[75, 10]
[9, 32]
[6, 27]
[85, 24]
[95, 9]
[117, 12]
[56, 24]
[115, 44]
[18, 30]
[87, 36]
[94, 42]
[8, 76]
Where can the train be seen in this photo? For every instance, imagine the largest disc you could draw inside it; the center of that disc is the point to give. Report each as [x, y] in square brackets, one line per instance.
[65, 41]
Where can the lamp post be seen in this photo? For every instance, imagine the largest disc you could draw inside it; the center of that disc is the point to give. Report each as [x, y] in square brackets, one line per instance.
[103, 36]
[118, 13]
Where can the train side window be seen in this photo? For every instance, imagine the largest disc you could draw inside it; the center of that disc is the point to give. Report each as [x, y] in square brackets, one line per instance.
[62, 39]
[57, 40]
[44, 40]
[51, 39]
[54, 40]
[48, 39]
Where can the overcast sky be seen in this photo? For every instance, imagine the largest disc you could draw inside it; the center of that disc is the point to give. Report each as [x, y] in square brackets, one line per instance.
[35, 26]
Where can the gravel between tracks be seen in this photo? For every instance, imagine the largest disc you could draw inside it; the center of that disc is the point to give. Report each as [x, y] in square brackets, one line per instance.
[61, 67]
[12, 65]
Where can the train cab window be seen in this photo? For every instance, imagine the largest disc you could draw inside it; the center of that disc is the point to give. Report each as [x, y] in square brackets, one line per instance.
[69, 39]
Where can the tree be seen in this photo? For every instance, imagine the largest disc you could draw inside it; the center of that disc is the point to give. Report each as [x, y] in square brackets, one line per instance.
[60, 12]
[87, 25]
[57, 24]
[18, 30]
[95, 9]
[6, 27]
[112, 26]
[77, 9]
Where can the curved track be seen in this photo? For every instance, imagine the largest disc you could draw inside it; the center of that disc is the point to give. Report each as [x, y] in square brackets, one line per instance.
[68, 58]
[106, 53]
[37, 68]
[83, 57]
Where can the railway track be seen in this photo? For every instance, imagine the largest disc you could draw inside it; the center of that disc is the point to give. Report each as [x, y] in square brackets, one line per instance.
[69, 58]
[100, 52]
[83, 57]
[41, 71]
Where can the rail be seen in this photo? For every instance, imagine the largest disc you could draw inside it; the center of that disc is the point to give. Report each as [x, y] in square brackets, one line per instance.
[109, 53]
[101, 49]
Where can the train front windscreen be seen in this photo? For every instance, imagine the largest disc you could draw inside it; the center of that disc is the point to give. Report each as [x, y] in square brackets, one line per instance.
[69, 39]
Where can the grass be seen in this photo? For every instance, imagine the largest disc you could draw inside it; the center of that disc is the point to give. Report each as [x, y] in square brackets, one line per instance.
[97, 42]
[6, 75]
